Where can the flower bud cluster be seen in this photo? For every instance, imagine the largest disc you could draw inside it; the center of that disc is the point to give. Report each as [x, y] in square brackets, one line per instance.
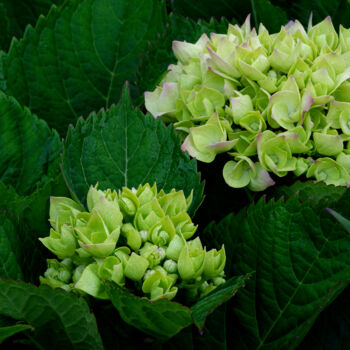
[277, 103]
[137, 237]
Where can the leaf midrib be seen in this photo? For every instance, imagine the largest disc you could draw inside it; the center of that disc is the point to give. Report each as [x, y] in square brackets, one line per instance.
[262, 342]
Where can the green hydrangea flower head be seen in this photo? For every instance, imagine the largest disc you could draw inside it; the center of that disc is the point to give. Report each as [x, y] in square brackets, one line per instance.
[133, 238]
[274, 103]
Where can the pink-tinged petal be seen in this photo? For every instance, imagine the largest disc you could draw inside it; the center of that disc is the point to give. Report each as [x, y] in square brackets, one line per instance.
[223, 146]
[222, 65]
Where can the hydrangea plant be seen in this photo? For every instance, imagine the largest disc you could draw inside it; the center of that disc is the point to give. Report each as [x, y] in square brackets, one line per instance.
[138, 237]
[276, 103]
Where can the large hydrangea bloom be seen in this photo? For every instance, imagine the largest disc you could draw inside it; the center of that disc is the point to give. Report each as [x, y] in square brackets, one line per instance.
[277, 103]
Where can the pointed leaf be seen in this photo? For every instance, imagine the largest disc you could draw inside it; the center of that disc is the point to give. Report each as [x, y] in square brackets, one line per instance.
[6, 332]
[122, 147]
[162, 318]
[302, 262]
[217, 297]
[9, 250]
[60, 320]
[77, 58]
[28, 147]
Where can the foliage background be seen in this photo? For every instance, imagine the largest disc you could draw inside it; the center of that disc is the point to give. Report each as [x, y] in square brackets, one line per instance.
[63, 60]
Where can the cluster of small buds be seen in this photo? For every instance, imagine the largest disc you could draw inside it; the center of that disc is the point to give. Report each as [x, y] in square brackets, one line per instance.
[276, 103]
[141, 235]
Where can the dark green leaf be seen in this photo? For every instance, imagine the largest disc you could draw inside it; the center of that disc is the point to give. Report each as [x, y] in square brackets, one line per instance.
[161, 319]
[214, 334]
[264, 11]
[331, 330]
[17, 14]
[232, 9]
[339, 10]
[60, 320]
[28, 147]
[6, 332]
[217, 297]
[309, 190]
[343, 221]
[76, 60]
[123, 147]
[302, 262]
[10, 247]
[29, 221]
[273, 17]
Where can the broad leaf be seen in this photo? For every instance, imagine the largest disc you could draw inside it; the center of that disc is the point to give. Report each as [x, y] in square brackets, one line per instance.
[159, 54]
[262, 11]
[232, 9]
[161, 319]
[15, 15]
[25, 218]
[343, 221]
[339, 10]
[6, 332]
[302, 262]
[122, 147]
[309, 190]
[60, 320]
[28, 147]
[10, 248]
[77, 58]
[331, 330]
[214, 335]
[272, 16]
[217, 297]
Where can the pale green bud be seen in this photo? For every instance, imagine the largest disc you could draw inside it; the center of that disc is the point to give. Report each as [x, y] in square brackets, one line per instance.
[184, 226]
[93, 196]
[162, 232]
[128, 202]
[90, 283]
[133, 238]
[275, 154]
[95, 238]
[162, 101]
[148, 215]
[63, 211]
[62, 243]
[77, 273]
[175, 247]
[145, 193]
[122, 253]
[302, 166]
[136, 267]
[191, 260]
[205, 288]
[214, 263]
[324, 35]
[328, 144]
[329, 171]
[173, 203]
[183, 51]
[159, 286]
[240, 106]
[203, 102]
[154, 254]
[206, 141]
[112, 269]
[170, 266]
[60, 271]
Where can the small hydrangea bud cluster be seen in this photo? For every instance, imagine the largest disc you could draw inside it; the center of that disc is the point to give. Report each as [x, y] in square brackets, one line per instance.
[276, 103]
[141, 235]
